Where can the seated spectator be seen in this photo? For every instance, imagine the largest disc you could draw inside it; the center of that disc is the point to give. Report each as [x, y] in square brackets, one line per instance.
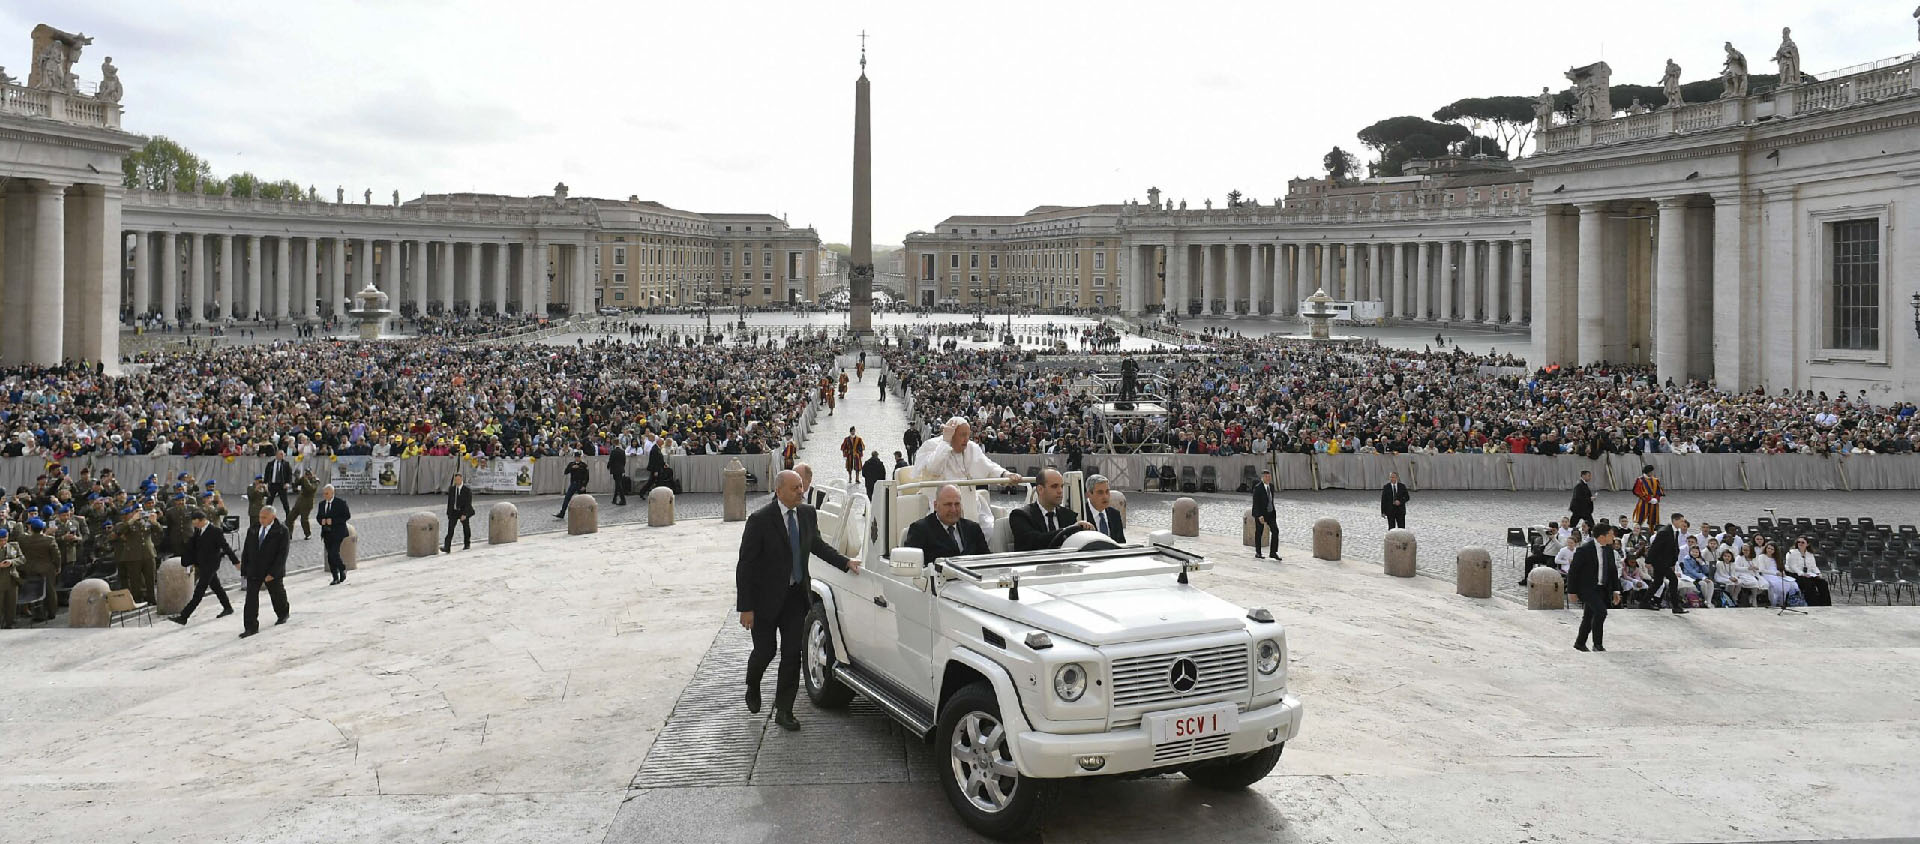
[1696, 576]
[1724, 585]
[1564, 559]
[1805, 571]
[1635, 588]
[1780, 591]
[1747, 582]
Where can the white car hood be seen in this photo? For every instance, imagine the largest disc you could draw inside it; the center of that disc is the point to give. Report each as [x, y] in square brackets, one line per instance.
[1109, 612]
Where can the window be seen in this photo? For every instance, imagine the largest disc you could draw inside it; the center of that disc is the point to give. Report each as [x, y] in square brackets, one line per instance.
[953, 261]
[766, 259]
[619, 295]
[726, 259]
[973, 260]
[1099, 260]
[1099, 281]
[1855, 249]
[766, 276]
[766, 291]
[619, 256]
[993, 261]
[619, 278]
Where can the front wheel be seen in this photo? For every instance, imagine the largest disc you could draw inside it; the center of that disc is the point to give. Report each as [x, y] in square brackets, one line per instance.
[980, 778]
[825, 690]
[1238, 773]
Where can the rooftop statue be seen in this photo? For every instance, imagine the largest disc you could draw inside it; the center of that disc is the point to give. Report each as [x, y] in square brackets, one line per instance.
[110, 90]
[1788, 58]
[1734, 73]
[1671, 82]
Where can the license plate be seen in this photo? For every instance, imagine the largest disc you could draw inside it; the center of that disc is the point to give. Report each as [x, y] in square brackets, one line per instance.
[1198, 722]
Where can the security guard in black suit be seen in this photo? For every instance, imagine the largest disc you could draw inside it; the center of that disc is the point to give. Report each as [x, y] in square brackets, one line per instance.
[944, 532]
[1596, 579]
[773, 590]
[205, 546]
[1044, 523]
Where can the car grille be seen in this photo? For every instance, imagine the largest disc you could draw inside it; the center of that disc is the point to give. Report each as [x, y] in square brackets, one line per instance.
[1191, 748]
[1141, 683]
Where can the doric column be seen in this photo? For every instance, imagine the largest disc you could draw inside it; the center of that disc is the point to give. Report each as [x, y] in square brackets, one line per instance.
[1302, 277]
[476, 265]
[282, 275]
[1257, 288]
[197, 278]
[222, 289]
[1282, 278]
[362, 268]
[1229, 276]
[583, 284]
[1423, 281]
[1590, 285]
[1349, 273]
[1443, 312]
[1172, 303]
[1470, 281]
[309, 272]
[1375, 293]
[447, 269]
[168, 260]
[336, 286]
[1516, 294]
[502, 254]
[1496, 283]
[52, 321]
[1209, 285]
[537, 281]
[1326, 270]
[253, 280]
[142, 273]
[95, 239]
[1670, 291]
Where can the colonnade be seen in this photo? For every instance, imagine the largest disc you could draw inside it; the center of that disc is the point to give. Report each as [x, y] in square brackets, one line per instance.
[199, 277]
[56, 256]
[1472, 280]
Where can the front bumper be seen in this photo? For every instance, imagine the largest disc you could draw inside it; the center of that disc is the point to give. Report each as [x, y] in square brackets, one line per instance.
[1055, 756]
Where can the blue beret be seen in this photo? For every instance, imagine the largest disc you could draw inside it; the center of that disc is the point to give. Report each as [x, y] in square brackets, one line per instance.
[180, 477]
[36, 524]
[212, 484]
[4, 531]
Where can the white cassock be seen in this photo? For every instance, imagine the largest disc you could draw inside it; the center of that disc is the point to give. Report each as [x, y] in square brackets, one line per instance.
[937, 461]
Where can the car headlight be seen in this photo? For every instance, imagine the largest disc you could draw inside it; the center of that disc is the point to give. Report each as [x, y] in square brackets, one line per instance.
[1269, 656]
[1070, 682]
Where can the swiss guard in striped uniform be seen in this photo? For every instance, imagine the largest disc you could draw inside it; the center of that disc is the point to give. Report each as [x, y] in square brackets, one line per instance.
[1648, 492]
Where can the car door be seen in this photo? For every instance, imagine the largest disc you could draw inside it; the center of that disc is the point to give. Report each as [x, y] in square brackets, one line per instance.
[906, 621]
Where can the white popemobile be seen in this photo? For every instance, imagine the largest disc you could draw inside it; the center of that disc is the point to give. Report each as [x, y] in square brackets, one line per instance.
[1028, 667]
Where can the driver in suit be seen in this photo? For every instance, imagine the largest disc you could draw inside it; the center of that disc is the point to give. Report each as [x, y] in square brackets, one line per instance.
[1105, 517]
[943, 532]
[1044, 523]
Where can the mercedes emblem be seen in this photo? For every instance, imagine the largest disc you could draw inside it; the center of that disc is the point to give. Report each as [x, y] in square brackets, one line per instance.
[1184, 675]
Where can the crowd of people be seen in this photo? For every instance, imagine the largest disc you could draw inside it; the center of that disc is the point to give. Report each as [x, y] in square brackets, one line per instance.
[414, 397]
[1234, 395]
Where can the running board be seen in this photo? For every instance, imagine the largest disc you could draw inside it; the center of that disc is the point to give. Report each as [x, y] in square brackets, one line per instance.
[912, 715]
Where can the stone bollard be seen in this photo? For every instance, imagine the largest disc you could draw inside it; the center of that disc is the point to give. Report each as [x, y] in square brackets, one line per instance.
[1186, 517]
[1246, 528]
[350, 548]
[175, 588]
[733, 486]
[660, 507]
[1327, 539]
[503, 523]
[1118, 501]
[583, 515]
[1546, 590]
[87, 604]
[1473, 572]
[423, 535]
[1401, 548]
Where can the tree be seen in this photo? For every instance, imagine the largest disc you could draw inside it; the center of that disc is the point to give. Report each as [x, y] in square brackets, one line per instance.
[1511, 119]
[1339, 164]
[243, 184]
[1481, 145]
[149, 168]
[283, 189]
[1397, 139]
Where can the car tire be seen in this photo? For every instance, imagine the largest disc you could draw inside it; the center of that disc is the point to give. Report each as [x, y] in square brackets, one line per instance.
[995, 805]
[823, 689]
[1238, 772]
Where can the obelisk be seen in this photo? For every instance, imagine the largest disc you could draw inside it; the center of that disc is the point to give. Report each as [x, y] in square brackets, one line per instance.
[860, 277]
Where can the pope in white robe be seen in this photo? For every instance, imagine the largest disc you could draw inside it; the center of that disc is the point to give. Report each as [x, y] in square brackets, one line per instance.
[954, 456]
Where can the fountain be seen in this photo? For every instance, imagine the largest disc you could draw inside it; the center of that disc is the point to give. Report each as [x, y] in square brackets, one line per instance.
[1320, 317]
[372, 313]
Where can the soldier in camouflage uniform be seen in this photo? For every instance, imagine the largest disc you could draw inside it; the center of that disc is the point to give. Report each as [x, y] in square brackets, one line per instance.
[306, 487]
[178, 526]
[133, 541]
[10, 565]
[256, 498]
[41, 557]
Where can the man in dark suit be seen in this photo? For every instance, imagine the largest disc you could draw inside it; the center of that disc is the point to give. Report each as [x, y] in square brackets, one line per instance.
[1393, 501]
[279, 477]
[1663, 558]
[205, 547]
[333, 514]
[263, 562]
[943, 532]
[1101, 513]
[1044, 523]
[773, 591]
[576, 472]
[617, 467]
[1595, 577]
[1265, 517]
[459, 509]
[1582, 504]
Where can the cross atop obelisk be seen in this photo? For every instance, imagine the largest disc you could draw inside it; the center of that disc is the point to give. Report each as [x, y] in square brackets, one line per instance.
[860, 277]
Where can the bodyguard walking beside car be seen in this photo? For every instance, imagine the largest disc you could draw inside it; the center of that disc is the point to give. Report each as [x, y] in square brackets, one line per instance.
[773, 591]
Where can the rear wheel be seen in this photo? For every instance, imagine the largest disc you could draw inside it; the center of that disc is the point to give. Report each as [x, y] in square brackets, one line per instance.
[823, 688]
[979, 776]
[1238, 772]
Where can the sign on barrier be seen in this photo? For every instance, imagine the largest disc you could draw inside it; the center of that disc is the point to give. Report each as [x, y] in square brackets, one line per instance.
[502, 474]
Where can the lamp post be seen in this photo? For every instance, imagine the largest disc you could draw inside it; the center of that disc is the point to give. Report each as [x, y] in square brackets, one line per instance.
[1916, 314]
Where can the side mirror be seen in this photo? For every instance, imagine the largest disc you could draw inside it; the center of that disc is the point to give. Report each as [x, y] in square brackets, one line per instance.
[907, 562]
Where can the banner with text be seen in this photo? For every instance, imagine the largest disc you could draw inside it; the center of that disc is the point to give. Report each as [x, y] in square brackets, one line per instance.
[502, 475]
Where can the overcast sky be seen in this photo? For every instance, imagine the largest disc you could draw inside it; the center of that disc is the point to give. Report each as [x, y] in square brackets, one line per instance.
[979, 107]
